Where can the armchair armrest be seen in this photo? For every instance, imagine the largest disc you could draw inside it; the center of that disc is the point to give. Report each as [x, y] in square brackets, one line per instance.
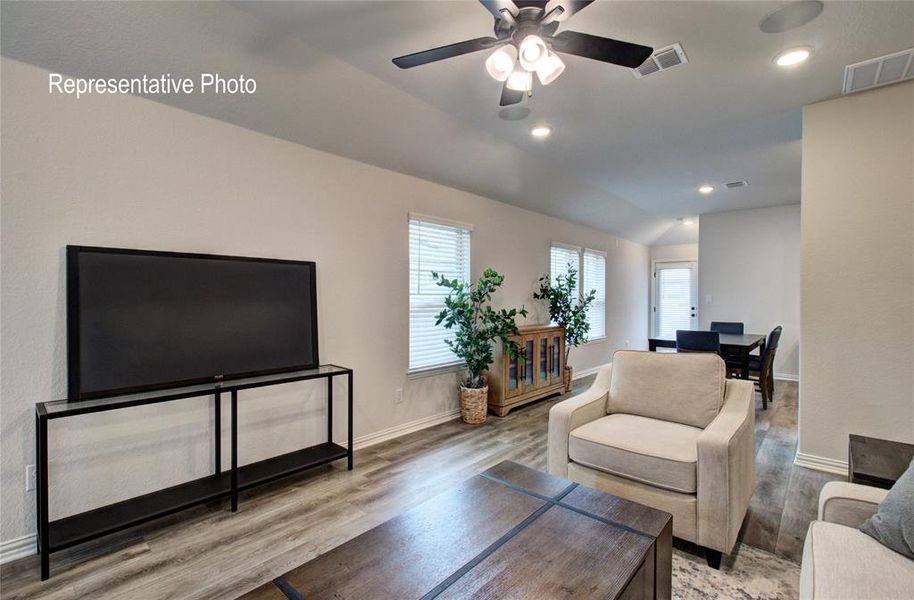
[849, 504]
[569, 414]
[726, 462]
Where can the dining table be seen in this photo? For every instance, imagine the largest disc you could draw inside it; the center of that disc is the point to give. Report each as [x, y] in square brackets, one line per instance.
[736, 345]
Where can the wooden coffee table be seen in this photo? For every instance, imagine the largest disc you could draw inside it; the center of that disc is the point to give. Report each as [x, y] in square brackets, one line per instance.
[508, 532]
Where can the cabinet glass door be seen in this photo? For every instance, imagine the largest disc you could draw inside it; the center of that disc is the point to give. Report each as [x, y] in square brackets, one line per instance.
[528, 363]
[542, 360]
[513, 376]
[555, 346]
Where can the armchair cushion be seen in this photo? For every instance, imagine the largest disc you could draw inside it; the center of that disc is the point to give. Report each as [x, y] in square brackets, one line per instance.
[842, 562]
[681, 388]
[658, 453]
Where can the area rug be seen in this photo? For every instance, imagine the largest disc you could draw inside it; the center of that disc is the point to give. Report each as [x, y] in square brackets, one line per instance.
[749, 574]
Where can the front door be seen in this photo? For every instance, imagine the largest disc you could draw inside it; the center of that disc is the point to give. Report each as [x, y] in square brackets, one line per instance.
[675, 298]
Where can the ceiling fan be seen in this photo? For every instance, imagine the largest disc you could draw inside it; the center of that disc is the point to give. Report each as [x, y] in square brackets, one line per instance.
[527, 43]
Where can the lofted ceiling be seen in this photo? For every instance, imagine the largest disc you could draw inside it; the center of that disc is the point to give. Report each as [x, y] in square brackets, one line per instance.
[626, 155]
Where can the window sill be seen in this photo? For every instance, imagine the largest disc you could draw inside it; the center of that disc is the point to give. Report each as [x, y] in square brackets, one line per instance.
[432, 371]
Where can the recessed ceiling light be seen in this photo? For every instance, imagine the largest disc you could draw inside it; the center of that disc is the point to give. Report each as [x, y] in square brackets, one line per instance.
[794, 56]
[706, 189]
[540, 131]
[686, 221]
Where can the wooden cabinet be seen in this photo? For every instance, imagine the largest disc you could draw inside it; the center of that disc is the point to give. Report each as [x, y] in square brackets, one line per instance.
[536, 373]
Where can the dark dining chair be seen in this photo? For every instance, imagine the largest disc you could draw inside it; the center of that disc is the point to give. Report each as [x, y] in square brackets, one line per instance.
[761, 369]
[733, 327]
[697, 341]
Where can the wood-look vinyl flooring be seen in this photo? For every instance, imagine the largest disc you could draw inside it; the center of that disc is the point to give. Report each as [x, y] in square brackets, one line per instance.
[208, 552]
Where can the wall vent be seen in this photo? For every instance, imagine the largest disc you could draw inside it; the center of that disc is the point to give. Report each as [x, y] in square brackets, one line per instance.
[661, 60]
[736, 184]
[876, 72]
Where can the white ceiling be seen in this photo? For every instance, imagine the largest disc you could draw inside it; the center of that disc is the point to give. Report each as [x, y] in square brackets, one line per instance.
[626, 155]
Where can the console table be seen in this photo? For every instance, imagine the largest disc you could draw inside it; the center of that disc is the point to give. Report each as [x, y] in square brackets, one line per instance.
[76, 529]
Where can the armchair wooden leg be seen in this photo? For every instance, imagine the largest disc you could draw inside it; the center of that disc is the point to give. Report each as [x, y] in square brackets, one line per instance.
[713, 557]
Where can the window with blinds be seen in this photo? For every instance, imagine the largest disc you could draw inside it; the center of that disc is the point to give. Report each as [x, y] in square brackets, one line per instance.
[591, 267]
[561, 258]
[593, 276]
[442, 247]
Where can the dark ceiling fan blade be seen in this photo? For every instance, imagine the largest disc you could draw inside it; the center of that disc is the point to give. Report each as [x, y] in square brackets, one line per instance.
[569, 7]
[509, 96]
[427, 56]
[604, 49]
[496, 6]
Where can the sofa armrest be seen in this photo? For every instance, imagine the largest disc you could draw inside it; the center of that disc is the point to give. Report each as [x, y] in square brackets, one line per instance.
[726, 462]
[570, 414]
[849, 503]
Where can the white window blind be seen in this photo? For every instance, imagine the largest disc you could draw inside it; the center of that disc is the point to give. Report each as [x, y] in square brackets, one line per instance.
[445, 249]
[673, 305]
[561, 258]
[594, 278]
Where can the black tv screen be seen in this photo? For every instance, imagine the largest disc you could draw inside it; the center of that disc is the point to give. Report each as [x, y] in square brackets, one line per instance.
[142, 320]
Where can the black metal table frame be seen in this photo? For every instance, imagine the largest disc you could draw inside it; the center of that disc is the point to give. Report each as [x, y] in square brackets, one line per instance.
[308, 457]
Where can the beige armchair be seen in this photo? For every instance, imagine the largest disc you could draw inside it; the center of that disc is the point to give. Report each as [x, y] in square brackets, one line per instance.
[668, 431]
[840, 561]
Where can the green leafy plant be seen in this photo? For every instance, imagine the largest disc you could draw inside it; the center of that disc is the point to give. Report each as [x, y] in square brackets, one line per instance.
[567, 307]
[468, 311]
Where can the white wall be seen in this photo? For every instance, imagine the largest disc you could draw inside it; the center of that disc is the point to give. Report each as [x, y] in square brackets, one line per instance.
[128, 172]
[674, 252]
[857, 361]
[749, 263]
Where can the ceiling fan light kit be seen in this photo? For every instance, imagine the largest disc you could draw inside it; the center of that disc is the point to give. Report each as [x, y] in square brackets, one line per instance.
[550, 68]
[527, 43]
[532, 51]
[520, 80]
[500, 63]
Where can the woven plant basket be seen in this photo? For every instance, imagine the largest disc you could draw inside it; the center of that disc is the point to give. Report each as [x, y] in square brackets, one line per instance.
[474, 404]
[566, 379]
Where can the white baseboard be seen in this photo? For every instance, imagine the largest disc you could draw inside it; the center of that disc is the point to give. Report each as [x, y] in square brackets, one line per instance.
[575, 374]
[20, 547]
[398, 430]
[787, 377]
[820, 463]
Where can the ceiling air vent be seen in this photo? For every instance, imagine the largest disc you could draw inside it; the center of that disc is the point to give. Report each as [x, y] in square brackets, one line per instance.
[661, 60]
[736, 184]
[876, 72]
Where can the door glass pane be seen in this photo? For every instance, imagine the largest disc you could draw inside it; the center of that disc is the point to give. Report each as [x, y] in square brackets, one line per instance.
[556, 348]
[528, 362]
[673, 309]
[544, 357]
[512, 374]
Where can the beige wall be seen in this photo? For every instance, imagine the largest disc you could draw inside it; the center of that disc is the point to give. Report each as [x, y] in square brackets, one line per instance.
[674, 252]
[857, 361]
[749, 264]
[124, 171]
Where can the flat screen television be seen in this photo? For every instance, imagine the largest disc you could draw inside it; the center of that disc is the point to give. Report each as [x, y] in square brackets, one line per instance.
[142, 320]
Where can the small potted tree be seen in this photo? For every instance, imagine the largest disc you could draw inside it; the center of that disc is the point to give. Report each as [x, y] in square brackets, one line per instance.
[567, 308]
[477, 325]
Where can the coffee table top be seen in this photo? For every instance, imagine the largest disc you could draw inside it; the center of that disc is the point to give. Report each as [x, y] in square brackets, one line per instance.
[509, 528]
[877, 462]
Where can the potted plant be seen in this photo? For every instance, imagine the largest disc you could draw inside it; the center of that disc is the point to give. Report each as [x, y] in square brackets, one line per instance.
[567, 308]
[477, 325]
